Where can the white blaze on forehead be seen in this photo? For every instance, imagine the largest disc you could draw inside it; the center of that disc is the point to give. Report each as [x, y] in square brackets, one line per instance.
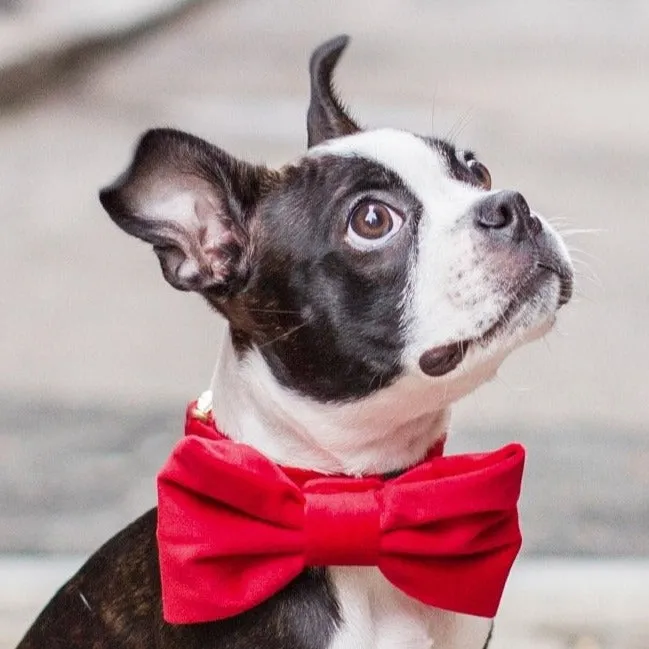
[402, 152]
[421, 167]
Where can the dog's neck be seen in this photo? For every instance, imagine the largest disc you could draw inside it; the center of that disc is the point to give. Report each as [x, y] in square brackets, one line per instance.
[388, 431]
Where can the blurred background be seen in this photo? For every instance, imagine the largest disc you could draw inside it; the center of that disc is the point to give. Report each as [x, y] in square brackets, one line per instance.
[99, 355]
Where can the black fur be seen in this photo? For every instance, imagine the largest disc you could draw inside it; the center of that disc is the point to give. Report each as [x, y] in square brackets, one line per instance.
[113, 602]
[326, 117]
[308, 285]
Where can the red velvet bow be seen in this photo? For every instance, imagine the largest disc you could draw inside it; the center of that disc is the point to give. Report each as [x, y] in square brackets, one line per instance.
[234, 528]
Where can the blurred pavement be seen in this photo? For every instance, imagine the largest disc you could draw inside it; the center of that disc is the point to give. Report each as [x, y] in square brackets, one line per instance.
[99, 355]
[41, 42]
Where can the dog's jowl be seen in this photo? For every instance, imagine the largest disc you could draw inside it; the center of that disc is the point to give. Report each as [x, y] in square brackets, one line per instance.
[367, 286]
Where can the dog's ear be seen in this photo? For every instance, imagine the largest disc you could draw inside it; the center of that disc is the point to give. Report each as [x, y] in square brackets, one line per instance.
[191, 201]
[326, 118]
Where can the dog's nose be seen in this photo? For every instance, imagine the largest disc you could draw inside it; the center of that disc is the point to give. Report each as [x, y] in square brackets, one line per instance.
[506, 214]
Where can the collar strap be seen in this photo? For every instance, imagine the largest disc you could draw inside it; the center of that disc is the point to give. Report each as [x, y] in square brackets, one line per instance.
[199, 421]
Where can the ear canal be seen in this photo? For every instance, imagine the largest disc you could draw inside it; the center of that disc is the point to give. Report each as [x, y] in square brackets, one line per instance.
[326, 118]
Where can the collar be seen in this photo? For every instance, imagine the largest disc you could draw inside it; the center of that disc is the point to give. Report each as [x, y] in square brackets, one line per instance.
[199, 421]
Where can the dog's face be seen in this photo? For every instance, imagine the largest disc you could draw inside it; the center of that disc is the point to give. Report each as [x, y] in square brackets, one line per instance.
[378, 254]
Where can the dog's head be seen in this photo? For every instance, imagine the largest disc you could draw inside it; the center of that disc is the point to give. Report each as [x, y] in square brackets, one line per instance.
[378, 254]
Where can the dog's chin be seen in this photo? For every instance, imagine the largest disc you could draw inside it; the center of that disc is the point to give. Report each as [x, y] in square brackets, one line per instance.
[529, 315]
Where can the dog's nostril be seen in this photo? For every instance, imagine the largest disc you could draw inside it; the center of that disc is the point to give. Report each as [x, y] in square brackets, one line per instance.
[504, 210]
[506, 215]
[500, 215]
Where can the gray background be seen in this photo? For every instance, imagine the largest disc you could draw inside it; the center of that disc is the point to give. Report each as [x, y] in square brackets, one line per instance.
[99, 355]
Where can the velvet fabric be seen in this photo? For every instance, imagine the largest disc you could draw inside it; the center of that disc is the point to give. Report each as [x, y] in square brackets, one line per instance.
[234, 528]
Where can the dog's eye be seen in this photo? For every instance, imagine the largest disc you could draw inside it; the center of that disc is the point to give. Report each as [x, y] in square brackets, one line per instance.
[372, 224]
[479, 172]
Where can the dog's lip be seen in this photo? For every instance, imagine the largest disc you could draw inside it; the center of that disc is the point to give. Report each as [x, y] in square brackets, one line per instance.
[441, 360]
[527, 289]
[565, 276]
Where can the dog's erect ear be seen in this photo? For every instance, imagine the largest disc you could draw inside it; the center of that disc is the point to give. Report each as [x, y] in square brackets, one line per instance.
[327, 118]
[191, 201]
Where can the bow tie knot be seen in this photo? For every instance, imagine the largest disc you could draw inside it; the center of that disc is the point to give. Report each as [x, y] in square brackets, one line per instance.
[342, 529]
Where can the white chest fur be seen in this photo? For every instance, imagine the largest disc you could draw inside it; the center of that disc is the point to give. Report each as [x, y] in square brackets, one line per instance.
[375, 615]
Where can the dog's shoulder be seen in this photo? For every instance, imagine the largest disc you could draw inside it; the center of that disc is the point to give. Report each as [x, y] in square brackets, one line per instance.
[114, 602]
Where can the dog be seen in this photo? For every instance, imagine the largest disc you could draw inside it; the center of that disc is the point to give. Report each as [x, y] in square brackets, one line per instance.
[367, 286]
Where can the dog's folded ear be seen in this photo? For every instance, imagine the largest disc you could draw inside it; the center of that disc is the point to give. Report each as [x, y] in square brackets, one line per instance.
[326, 118]
[192, 202]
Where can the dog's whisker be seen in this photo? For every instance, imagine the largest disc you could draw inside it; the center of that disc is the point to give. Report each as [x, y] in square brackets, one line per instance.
[583, 266]
[508, 385]
[559, 219]
[577, 259]
[374, 386]
[286, 334]
[445, 393]
[460, 124]
[584, 270]
[278, 311]
[588, 274]
[581, 295]
[581, 298]
[571, 232]
[563, 214]
[546, 342]
[576, 253]
[432, 114]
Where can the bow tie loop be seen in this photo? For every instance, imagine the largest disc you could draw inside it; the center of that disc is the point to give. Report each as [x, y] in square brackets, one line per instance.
[456, 486]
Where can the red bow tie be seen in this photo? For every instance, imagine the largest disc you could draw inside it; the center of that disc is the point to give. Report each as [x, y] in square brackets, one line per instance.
[234, 528]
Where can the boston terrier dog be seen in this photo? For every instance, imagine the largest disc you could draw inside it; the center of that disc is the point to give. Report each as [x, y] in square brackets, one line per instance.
[367, 286]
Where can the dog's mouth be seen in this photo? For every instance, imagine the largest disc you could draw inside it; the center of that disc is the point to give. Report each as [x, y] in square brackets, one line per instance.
[441, 360]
